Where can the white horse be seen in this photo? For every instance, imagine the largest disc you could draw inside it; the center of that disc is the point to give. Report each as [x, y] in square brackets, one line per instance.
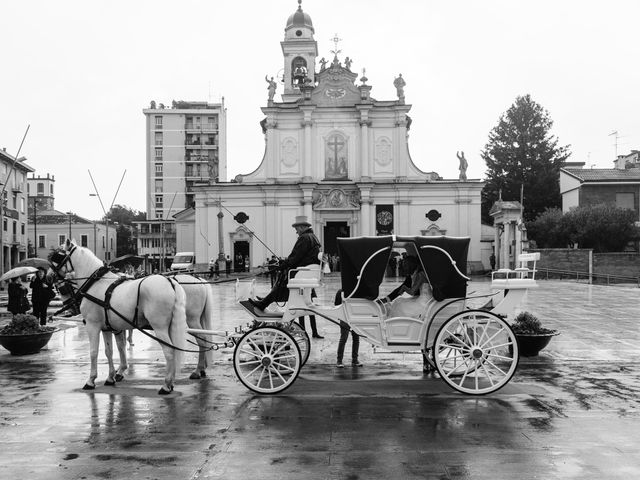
[199, 313]
[158, 301]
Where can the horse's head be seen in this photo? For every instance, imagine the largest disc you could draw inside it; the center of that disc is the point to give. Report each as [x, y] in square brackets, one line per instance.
[60, 260]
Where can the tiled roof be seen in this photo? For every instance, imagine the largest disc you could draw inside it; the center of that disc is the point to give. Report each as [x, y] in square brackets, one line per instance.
[605, 174]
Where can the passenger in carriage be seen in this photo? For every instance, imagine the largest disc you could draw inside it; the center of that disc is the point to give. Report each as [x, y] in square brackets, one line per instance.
[414, 295]
[305, 252]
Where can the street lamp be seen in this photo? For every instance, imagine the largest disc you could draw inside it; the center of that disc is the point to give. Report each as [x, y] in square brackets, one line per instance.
[70, 214]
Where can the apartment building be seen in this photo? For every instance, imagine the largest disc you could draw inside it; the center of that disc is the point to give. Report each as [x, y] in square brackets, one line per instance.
[13, 180]
[185, 146]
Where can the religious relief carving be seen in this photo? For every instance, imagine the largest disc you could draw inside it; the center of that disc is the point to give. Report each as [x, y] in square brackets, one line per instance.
[289, 153]
[335, 92]
[336, 158]
[383, 152]
[336, 199]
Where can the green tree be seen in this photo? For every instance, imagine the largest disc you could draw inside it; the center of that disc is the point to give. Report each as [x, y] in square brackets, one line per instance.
[124, 217]
[548, 229]
[522, 152]
[603, 227]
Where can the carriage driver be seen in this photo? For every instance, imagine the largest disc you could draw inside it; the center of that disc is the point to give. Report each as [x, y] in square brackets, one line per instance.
[304, 253]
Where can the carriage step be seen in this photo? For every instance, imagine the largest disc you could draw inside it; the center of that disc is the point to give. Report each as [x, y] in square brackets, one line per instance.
[256, 312]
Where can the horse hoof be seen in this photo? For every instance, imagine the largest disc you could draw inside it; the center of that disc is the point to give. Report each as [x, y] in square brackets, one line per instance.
[88, 387]
[162, 391]
[119, 377]
[109, 383]
[203, 374]
[194, 376]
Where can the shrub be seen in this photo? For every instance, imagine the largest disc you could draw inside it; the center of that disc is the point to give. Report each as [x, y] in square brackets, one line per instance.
[23, 324]
[527, 323]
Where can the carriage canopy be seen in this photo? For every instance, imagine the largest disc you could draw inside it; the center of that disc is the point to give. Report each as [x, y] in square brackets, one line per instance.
[443, 258]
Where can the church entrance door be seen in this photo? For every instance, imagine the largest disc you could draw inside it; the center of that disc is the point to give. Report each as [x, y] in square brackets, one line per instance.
[333, 230]
[240, 256]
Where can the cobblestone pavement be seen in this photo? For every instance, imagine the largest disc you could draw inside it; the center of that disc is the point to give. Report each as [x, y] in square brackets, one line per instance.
[571, 412]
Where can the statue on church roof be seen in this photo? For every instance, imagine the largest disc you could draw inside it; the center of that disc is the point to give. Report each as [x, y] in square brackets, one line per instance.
[347, 63]
[399, 83]
[463, 166]
[272, 88]
[323, 64]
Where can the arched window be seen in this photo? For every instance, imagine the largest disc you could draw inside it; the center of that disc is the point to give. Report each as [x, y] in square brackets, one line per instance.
[298, 71]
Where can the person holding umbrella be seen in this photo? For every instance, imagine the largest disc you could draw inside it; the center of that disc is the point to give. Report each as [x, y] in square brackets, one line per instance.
[18, 301]
[41, 294]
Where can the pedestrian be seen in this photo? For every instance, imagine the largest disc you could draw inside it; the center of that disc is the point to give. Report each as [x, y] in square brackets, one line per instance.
[305, 253]
[216, 270]
[227, 265]
[42, 293]
[18, 301]
[312, 320]
[492, 261]
[344, 334]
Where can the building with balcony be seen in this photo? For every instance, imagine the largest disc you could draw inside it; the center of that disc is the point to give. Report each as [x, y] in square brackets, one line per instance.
[13, 188]
[49, 228]
[156, 242]
[185, 146]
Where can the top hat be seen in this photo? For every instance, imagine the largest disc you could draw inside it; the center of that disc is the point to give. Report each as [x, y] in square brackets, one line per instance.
[301, 220]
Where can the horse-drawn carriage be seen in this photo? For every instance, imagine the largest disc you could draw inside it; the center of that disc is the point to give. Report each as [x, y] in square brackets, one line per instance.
[474, 350]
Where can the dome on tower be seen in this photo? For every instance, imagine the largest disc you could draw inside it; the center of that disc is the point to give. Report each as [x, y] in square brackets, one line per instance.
[299, 19]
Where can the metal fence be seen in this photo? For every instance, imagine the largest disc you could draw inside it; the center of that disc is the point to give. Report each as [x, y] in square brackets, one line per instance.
[600, 278]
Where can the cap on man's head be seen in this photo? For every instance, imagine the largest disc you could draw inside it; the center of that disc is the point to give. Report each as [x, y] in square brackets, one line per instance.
[301, 220]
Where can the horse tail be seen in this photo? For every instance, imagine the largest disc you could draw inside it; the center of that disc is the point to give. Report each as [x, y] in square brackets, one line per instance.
[206, 320]
[178, 327]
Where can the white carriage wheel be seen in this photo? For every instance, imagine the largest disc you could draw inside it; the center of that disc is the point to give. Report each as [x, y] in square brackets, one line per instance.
[267, 360]
[475, 352]
[302, 339]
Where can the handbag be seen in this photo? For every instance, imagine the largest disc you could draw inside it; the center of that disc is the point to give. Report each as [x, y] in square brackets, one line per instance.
[24, 303]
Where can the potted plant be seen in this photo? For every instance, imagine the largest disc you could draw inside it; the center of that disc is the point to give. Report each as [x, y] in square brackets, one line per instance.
[23, 335]
[530, 334]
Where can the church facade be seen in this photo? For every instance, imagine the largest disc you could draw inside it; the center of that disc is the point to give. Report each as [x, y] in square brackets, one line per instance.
[337, 155]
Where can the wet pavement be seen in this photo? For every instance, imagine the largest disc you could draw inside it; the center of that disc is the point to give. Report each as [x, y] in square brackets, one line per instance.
[571, 412]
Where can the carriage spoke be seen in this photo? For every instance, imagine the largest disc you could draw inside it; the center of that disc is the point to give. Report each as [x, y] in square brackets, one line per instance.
[254, 353]
[282, 365]
[496, 367]
[498, 332]
[277, 373]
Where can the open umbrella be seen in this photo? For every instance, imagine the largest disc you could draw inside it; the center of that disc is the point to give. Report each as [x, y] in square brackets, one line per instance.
[34, 262]
[17, 272]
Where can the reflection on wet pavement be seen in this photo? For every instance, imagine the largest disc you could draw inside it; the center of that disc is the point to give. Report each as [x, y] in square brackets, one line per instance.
[571, 412]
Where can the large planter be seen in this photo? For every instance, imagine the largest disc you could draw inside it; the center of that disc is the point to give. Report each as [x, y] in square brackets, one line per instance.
[530, 345]
[26, 344]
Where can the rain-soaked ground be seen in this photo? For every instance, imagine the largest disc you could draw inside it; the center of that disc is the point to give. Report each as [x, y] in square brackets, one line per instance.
[571, 412]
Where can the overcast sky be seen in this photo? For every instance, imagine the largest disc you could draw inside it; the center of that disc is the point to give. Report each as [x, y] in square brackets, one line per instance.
[80, 73]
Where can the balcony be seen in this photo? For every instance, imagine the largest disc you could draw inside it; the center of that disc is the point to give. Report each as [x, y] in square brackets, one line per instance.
[196, 159]
[18, 187]
[201, 127]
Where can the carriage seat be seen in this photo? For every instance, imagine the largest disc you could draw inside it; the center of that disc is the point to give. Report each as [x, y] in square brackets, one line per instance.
[309, 276]
[305, 277]
[520, 277]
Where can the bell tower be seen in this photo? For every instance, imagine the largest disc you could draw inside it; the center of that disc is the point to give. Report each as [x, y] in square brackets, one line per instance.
[300, 51]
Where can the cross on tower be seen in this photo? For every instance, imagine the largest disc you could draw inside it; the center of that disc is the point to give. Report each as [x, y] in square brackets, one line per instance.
[335, 41]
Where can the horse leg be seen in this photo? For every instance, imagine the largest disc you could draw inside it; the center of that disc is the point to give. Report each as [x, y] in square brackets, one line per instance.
[200, 372]
[170, 376]
[121, 344]
[94, 344]
[108, 351]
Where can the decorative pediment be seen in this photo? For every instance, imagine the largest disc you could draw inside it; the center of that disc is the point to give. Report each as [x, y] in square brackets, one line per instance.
[336, 87]
[336, 199]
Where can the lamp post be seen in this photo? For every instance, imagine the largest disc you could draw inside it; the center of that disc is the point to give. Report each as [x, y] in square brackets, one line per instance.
[70, 215]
